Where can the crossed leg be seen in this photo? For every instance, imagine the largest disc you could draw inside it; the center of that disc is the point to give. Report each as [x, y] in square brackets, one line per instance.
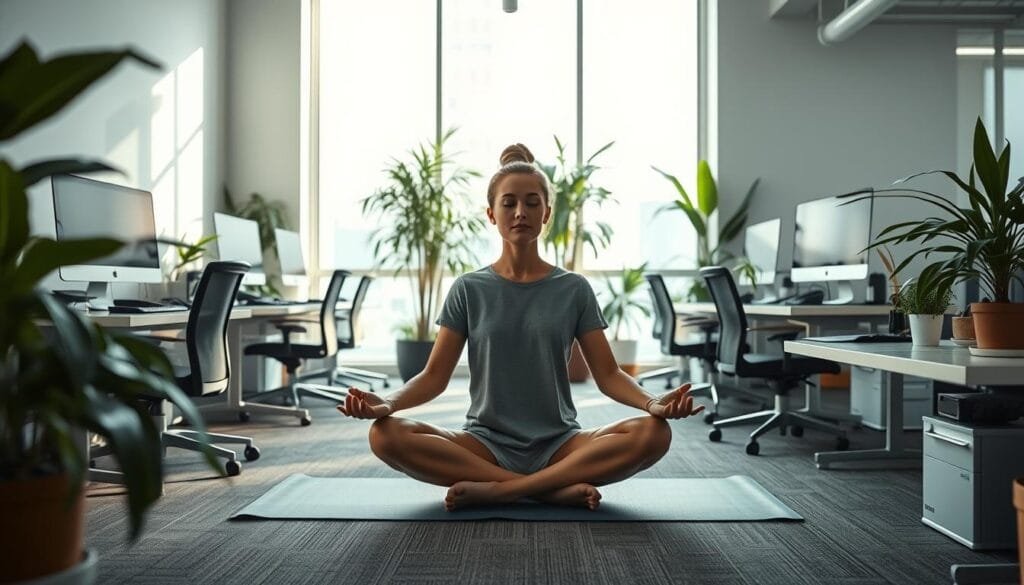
[591, 458]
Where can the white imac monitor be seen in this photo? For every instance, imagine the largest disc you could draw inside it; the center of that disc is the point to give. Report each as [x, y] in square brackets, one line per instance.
[239, 239]
[289, 252]
[829, 241]
[761, 248]
[86, 208]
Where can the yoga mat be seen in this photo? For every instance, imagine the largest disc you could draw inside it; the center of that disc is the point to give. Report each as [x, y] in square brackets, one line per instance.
[734, 498]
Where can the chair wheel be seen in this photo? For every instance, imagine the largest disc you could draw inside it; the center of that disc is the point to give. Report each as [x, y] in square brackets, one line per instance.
[387, 384]
[753, 448]
[842, 444]
[796, 431]
[715, 435]
[243, 416]
[252, 453]
[306, 421]
[233, 468]
[710, 417]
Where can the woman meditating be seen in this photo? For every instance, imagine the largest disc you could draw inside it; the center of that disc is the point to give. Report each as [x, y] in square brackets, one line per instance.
[520, 316]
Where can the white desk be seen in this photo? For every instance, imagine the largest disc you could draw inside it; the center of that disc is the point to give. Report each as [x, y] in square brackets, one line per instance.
[945, 363]
[815, 319]
[150, 320]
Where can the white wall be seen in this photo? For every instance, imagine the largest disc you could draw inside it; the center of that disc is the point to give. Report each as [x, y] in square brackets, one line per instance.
[162, 128]
[263, 101]
[814, 121]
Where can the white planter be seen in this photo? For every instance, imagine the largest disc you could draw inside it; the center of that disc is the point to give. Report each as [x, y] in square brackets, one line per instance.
[624, 351]
[926, 329]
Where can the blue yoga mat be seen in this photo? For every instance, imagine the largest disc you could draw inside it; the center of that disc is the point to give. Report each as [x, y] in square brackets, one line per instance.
[719, 499]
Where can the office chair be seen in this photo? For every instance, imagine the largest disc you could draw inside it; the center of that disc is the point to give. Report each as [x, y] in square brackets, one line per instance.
[665, 331]
[781, 373]
[208, 367]
[348, 320]
[292, 355]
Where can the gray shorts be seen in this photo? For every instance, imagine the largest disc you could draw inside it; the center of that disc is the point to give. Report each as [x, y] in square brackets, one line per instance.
[523, 460]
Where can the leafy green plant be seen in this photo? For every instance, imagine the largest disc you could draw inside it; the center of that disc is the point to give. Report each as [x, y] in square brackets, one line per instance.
[189, 253]
[622, 307]
[70, 374]
[984, 240]
[268, 215]
[929, 294]
[700, 214]
[426, 226]
[571, 191]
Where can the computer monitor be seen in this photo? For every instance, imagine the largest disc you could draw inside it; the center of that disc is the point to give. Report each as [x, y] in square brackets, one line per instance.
[829, 241]
[761, 248]
[239, 239]
[87, 208]
[289, 252]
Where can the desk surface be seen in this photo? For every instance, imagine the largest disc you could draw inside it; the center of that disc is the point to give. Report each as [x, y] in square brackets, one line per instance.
[283, 310]
[148, 320]
[945, 363]
[794, 310]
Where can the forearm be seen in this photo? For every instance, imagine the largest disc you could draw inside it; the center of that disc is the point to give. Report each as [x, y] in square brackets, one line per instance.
[420, 389]
[624, 389]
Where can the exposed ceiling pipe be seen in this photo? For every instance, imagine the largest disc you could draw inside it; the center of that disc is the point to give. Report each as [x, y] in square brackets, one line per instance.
[851, 20]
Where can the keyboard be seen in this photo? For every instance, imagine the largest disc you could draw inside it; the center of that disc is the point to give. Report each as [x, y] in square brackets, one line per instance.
[146, 309]
[860, 338]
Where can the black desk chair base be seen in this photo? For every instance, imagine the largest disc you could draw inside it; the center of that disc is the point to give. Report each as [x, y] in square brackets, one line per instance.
[344, 374]
[782, 418]
[295, 391]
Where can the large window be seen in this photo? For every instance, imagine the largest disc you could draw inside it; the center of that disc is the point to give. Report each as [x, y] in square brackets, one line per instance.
[505, 78]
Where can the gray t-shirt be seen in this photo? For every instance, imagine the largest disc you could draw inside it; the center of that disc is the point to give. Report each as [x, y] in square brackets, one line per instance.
[520, 336]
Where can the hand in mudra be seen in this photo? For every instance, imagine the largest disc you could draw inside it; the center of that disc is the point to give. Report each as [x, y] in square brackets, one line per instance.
[359, 404]
[675, 404]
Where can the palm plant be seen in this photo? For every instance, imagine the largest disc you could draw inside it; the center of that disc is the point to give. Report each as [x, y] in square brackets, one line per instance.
[426, 227]
[622, 306]
[700, 214]
[189, 253]
[61, 374]
[571, 192]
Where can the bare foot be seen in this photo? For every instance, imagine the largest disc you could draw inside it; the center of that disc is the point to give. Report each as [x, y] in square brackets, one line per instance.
[465, 494]
[581, 495]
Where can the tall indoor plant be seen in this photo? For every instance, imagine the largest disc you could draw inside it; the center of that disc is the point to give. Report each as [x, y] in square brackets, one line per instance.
[982, 239]
[620, 309]
[426, 228]
[268, 215]
[60, 374]
[572, 190]
[700, 214]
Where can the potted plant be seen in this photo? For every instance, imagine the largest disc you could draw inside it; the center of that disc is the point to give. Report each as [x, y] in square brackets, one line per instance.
[61, 375]
[982, 239]
[700, 218]
[425, 229]
[568, 231]
[620, 311]
[924, 301]
[897, 318]
[187, 255]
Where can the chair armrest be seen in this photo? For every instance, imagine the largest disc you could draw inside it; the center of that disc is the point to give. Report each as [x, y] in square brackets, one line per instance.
[162, 338]
[784, 336]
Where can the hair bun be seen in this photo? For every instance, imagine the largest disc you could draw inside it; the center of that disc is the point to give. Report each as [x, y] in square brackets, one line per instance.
[516, 153]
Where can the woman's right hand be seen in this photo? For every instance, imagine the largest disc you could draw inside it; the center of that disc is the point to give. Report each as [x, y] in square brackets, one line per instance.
[359, 404]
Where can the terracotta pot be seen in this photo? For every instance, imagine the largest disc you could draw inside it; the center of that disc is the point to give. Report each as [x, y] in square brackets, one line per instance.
[963, 328]
[1018, 502]
[999, 325]
[578, 370]
[40, 533]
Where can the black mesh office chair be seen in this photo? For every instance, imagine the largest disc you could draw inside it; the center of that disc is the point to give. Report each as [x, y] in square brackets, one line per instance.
[348, 323]
[208, 367]
[782, 373]
[665, 328]
[292, 355]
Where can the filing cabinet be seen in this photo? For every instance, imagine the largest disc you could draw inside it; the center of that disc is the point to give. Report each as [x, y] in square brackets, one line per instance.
[968, 476]
[869, 393]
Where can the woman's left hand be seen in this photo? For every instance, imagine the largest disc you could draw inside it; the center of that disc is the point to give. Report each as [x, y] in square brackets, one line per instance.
[675, 404]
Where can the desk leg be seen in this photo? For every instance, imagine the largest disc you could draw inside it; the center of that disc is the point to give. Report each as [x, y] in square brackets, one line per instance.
[235, 404]
[985, 574]
[894, 454]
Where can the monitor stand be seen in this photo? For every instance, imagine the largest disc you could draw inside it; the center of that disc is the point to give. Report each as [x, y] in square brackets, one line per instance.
[844, 292]
[99, 296]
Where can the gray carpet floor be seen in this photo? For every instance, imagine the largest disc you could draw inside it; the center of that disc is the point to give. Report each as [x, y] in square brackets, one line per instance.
[862, 526]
